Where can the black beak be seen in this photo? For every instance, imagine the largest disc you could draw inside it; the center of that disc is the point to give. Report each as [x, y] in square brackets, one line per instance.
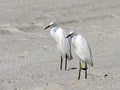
[46, 27]
[68, 36]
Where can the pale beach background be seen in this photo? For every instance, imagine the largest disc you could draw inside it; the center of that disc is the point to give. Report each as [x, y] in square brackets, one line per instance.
[29, 59]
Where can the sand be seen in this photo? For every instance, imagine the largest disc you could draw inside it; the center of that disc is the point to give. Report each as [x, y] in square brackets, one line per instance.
[29, 59]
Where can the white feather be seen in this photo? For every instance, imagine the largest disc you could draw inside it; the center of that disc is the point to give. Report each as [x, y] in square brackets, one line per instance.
[62, 43]
[82, 49]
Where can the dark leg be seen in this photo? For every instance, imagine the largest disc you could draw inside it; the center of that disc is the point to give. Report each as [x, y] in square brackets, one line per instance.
[85, 70]
[61, 63]
[66, 62]
[80, 68]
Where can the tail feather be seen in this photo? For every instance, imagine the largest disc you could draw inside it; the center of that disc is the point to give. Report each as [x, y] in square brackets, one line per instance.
[70, 54]
[90, 63]
[70, 57]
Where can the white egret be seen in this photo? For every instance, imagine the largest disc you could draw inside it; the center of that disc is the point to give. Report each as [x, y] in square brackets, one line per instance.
[63, 44]
[82, 50]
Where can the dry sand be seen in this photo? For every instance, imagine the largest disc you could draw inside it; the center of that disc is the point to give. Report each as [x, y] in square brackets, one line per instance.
[29, 59]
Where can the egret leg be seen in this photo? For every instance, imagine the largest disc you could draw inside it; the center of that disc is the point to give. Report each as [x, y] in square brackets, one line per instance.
[61, 63]
[85, 70]
[80, 68]
[66, 62]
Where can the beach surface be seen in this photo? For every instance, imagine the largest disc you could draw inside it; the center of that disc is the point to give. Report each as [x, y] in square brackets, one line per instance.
[29, 59]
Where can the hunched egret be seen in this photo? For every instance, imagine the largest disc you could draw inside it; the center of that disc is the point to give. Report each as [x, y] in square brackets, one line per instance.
[82, 50]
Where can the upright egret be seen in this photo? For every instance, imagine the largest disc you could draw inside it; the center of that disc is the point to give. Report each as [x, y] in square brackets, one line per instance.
[82, 50]
[63, 44]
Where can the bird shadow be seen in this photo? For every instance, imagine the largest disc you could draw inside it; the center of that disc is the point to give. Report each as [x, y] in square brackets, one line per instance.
[76, 68]
[72, 68]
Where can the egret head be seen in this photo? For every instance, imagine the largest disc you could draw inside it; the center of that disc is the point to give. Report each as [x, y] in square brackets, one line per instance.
[51, 25]
[71, 34]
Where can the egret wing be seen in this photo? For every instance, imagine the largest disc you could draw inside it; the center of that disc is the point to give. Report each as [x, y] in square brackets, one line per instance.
[82, 48]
